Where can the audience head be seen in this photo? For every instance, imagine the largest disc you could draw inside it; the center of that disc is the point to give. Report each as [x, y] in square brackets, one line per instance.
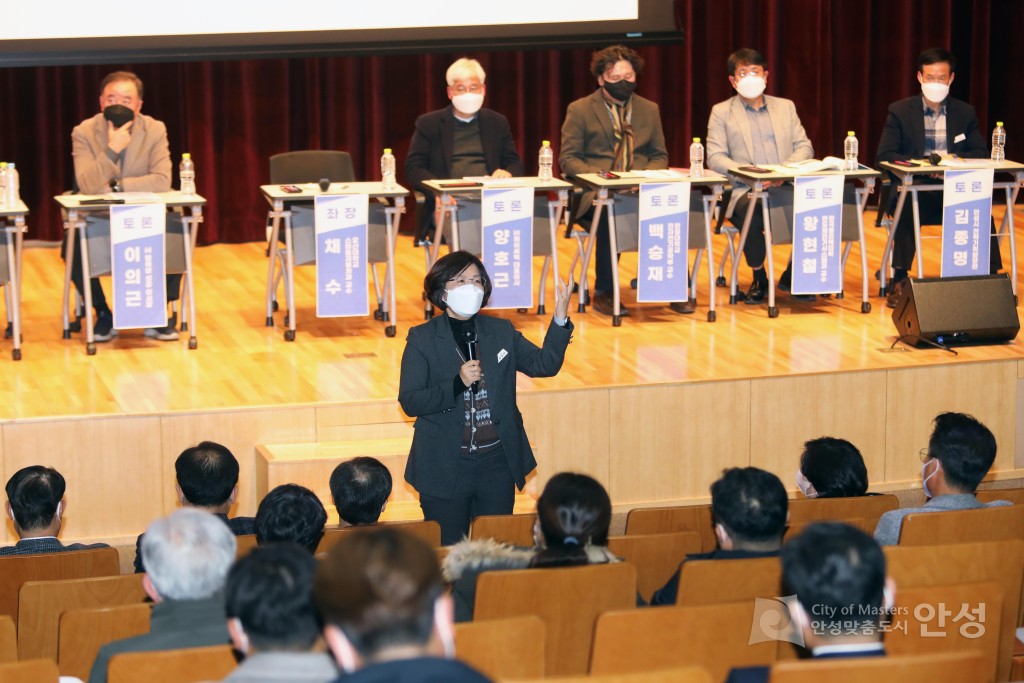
[750, 509]
[960, 453]
[187, 555]
[381, 596]
[616, 69]
[35, 501]
[269, 600]
[446, 274]
[466, 86]
[831, 468]
[291, 514]
[573, 512]
[207, 477]
[360, 488]
[748, 72]
[121, 88]
[836, 571]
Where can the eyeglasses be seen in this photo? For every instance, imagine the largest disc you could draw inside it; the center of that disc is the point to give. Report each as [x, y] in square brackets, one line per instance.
[936, 79]
[630, 78]
[924, 454]
[460, 281]
[475, 89]
[750, 72]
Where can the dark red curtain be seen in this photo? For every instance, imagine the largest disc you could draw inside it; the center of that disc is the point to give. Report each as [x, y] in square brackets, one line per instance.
[842, 61]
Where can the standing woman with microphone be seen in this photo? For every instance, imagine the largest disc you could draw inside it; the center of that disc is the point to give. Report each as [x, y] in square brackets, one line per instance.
[470, 450]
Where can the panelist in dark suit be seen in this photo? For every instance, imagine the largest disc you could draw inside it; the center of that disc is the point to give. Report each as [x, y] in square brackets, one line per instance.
[921, 125]
[470, 450]
[461, 140]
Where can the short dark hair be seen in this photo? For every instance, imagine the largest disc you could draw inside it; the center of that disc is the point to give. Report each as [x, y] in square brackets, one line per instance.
[379, 587]
[291, 514]
[745, 55]
[837, 573]
[751, 504]
[449, 267]
[574, 511]
[936, 55]
[207, 474]
[270, 591]
[965, 447]
[34, 493]
[602, 59]
[359, 488]
[116, 76]
[834, 467]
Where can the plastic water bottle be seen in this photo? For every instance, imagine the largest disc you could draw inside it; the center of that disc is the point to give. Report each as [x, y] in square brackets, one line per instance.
[187, 173]
[999, 142]
[696, 159]
[3, 183]
[387, 169]
[12, 191]
[850, 150]
[545, 159]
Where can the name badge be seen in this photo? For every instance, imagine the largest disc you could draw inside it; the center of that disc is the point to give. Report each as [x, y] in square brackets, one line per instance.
[960, 138]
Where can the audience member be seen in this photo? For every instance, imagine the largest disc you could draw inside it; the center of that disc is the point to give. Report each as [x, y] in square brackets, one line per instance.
[834, 571]
[750, 509]
[187, 555]
[207, 480]
[291, 514]
[573, 514]
[387, 616]
[831, 468]
[360, 488]
[35, 503]
[960, 452]
[272, 619]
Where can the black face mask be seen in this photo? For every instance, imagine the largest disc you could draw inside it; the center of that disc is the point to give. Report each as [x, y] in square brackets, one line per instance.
[620, 90]
[118, 114]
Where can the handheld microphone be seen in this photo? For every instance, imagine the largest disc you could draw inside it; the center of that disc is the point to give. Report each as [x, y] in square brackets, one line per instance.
[471, 350]
[934, 158]
[324, 183]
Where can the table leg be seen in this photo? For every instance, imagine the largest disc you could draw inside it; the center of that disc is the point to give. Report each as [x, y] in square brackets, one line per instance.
[275, 233]
[709, 211]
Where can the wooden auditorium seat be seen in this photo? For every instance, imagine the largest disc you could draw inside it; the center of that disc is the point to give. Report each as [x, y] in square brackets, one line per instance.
[8, 639]
[173, 666]
[709, 582]
[715, 637]
[676, 518]
[30, 671]
[568, 599]
[77, 564]
[427, 530]
[511, 529]
[41, 603]
[693, 674]
[862, 523]
[1015, 496]
[503, 649]
[84, 631]
[655, 556]
[244, 545]
[963, 526]
[948, 667]
[803, 510]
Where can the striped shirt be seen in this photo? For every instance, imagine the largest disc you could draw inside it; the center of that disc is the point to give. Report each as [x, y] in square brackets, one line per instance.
[934, 129]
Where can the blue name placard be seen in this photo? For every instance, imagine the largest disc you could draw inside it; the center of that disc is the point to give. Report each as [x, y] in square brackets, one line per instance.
[664, 215]
[340, 227]
[507, 245]
[966, 221]
[138, 266]
[817, 234]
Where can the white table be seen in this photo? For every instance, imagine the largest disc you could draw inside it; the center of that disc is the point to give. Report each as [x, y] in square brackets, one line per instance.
[277, 198]
[12, 220]
[604, 187]
[76, 224]
[759, 192]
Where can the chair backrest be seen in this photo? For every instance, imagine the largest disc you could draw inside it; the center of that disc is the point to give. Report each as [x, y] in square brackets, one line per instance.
[1001, 562]
[949, 667]
[708, 582]
[244, 545]
[84, 631]
[1001, 523]
[655, 556]
[1015, 496]
[427, 530]
[310, 165]
[715, 637]
[803, 510]
[503, 649]
[8, 639]
[42, 602]
[963, 617]
[30, 671]
[688, 675]
[677, 518]
[568, 599]
[76, 564]
[173, 666]
[511, 529]
[862, 523]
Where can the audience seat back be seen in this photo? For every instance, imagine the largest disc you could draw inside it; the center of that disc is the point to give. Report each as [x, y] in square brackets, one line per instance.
[949, 667]
[963, 526]
[511, 529]
[677, 518]
[427, 530]
[8, 639]
[173, 666]
[862, 523]
[688, 675]
[30, 671]
[503, 649]
[802, 510]
[655, 556]
[244, 545]
[709, 582]
[78, 564]
[84, 631]
[1015, 496]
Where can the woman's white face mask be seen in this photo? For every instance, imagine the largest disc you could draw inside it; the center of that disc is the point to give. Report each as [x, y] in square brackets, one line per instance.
[465, 300]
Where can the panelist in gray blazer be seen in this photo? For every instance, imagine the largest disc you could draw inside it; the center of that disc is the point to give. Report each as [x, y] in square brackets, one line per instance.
[470, 450]
[752, 128]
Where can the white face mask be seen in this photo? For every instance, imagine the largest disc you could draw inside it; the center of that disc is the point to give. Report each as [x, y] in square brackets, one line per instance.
[935, 92]
[750, 87]
[924, 479]
[805, 486]
[468, 103]
[465, 300]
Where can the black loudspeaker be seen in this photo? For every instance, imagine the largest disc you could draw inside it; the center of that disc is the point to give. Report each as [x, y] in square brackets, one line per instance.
[957, 310]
